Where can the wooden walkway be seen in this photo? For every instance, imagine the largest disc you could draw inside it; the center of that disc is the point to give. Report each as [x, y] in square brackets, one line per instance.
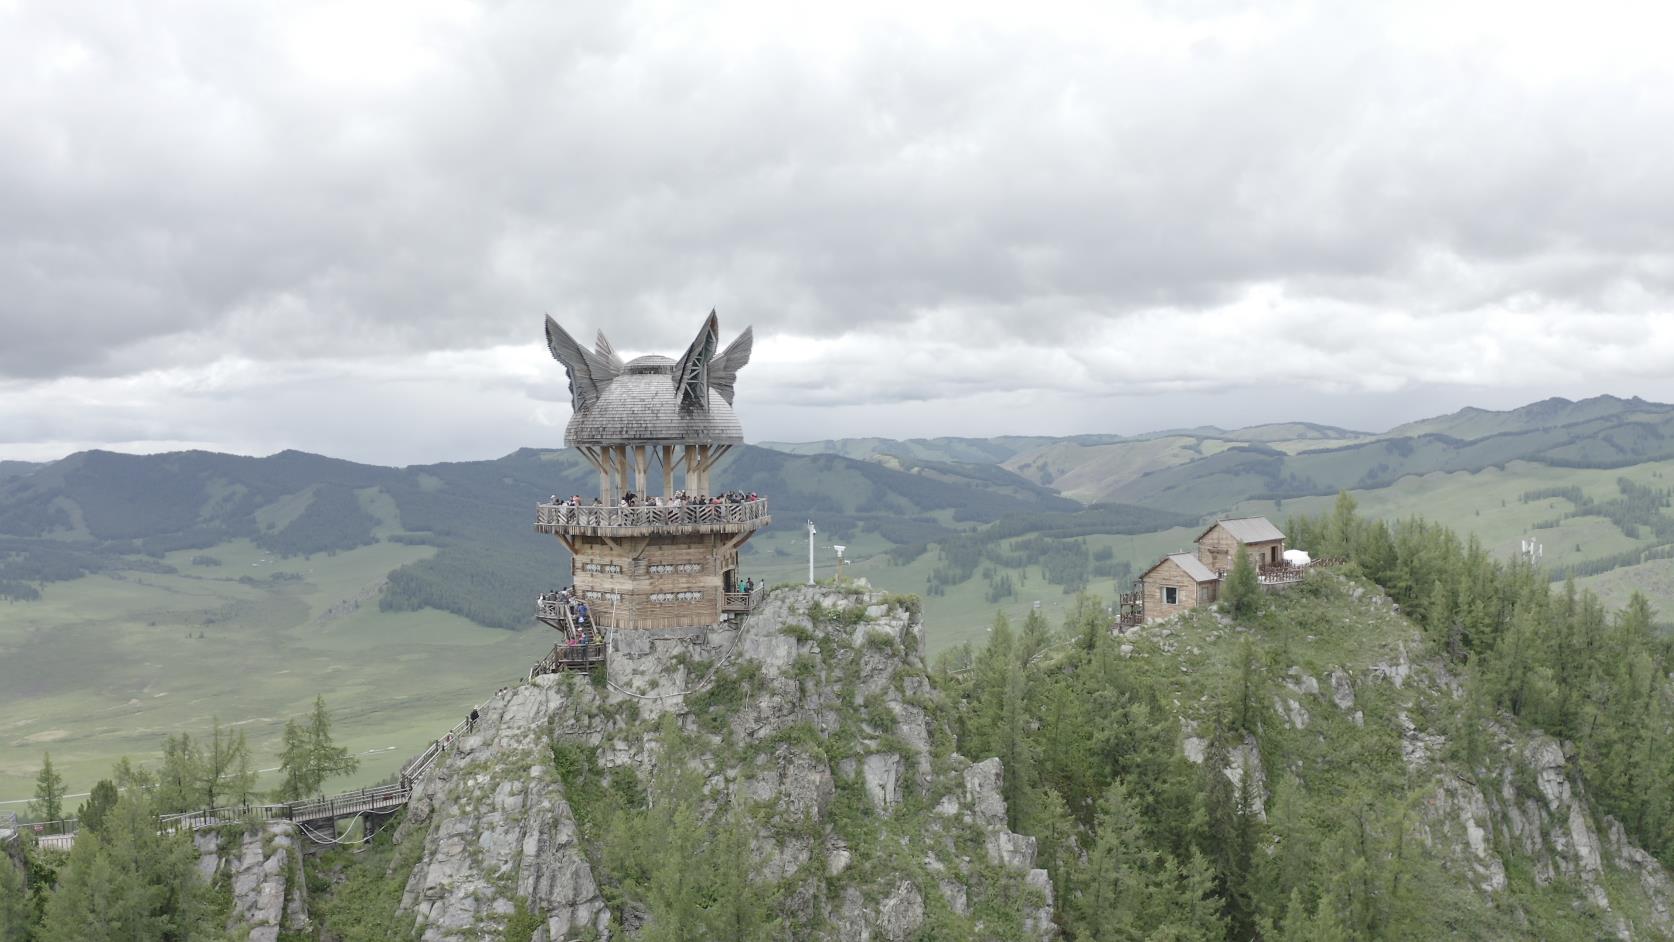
[307, 813]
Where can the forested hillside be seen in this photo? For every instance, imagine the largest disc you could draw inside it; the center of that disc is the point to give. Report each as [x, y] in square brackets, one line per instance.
[1473, 755]
[99, 511]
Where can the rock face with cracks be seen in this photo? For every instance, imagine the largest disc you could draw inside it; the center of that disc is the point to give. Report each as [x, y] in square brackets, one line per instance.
[816, 713]
[264, 866]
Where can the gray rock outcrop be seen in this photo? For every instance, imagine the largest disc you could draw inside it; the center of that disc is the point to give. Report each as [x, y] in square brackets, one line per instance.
[497, 830]
[264, 868]
[828, 693]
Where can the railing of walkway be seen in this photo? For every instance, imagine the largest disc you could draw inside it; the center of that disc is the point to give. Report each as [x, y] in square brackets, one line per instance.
[1281, 574]
[744, 602]
[60, 835]
[565, 515]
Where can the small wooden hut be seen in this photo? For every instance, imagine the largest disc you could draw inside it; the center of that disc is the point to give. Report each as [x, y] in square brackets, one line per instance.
[1256, 536]
[1177, 583]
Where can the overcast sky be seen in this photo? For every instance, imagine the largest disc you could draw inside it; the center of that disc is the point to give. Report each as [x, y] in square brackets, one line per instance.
[337, 227]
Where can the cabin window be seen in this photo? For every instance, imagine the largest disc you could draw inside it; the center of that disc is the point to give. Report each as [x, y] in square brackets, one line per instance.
[1171, 595]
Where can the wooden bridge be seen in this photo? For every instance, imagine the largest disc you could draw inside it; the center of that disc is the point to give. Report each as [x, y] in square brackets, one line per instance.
[309, 814]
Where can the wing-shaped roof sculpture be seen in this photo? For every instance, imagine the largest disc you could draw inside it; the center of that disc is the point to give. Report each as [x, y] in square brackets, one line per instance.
[723, 370]
[652, 398]
[589, 372]
[691, 371]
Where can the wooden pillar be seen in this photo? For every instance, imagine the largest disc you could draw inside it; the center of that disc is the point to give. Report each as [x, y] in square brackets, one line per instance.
[640, 461]
[602, 459]
[620, 454]
[715, 454]
[668, 471]
[691, 470]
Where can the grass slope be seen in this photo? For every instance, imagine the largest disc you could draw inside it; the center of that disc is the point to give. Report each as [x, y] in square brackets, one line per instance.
[106, 665]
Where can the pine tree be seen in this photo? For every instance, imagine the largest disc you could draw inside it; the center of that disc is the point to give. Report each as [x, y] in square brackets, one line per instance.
[1049, 822]
[1300, 925]
[49, 792]
[1110, 888]
[1087, 620]
[1036, 635]
[130, 883]
[1014, 742]
[17, 916]
[93, 811]
[1340, 529]
[180, 782]
[738, 906]
[224, 774]
[1241, 592]
[988, 680]
[295, 770]
[308, 757]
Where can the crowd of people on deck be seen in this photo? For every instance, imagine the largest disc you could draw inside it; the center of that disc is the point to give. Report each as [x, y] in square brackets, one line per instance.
[680, 499]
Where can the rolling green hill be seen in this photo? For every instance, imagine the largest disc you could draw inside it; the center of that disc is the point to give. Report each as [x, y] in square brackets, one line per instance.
[972, 450]
[1472, 423]
[1218, 481]
[98, 511]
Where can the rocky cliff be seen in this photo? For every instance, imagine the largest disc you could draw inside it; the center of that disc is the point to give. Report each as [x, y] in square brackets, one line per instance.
[262, 866]
[814, 718]
[1507, 812]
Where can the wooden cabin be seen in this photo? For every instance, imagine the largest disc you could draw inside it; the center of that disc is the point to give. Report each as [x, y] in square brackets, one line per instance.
[1186, 580]
[1175, 584]
[1257, 536]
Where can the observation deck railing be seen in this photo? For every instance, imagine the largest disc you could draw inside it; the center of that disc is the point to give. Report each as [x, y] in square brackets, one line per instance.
[550, 517]
[742, 602]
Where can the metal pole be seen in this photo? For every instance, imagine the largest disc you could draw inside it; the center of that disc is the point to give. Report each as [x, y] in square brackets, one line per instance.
[811, 532]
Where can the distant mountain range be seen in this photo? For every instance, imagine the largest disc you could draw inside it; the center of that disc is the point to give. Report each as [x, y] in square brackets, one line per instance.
[1202, 470]
[99, 510]
[96, 510]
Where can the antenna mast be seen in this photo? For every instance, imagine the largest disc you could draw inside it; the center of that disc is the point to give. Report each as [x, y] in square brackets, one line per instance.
[811, 532]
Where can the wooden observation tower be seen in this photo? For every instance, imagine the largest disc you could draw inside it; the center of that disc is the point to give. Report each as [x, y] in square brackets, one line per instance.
[657, 551]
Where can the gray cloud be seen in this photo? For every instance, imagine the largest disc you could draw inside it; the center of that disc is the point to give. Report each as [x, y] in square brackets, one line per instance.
[1358, 199]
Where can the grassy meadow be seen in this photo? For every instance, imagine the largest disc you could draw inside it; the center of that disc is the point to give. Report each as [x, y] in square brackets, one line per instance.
[107, 665]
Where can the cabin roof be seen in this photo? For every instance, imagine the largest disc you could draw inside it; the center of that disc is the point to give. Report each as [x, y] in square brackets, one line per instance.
[1246, 530]
[1192, 566]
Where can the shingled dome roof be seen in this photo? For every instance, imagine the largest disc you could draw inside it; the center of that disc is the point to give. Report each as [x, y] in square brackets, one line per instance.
[643, 407]
[652, 400]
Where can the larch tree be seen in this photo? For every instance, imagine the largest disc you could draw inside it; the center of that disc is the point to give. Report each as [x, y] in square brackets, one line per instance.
[17, 916]
[130, 882]
[328, 759]
[1241, 594]
[49, 792]
[93, 811]
[309, 756]
[225, 774]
